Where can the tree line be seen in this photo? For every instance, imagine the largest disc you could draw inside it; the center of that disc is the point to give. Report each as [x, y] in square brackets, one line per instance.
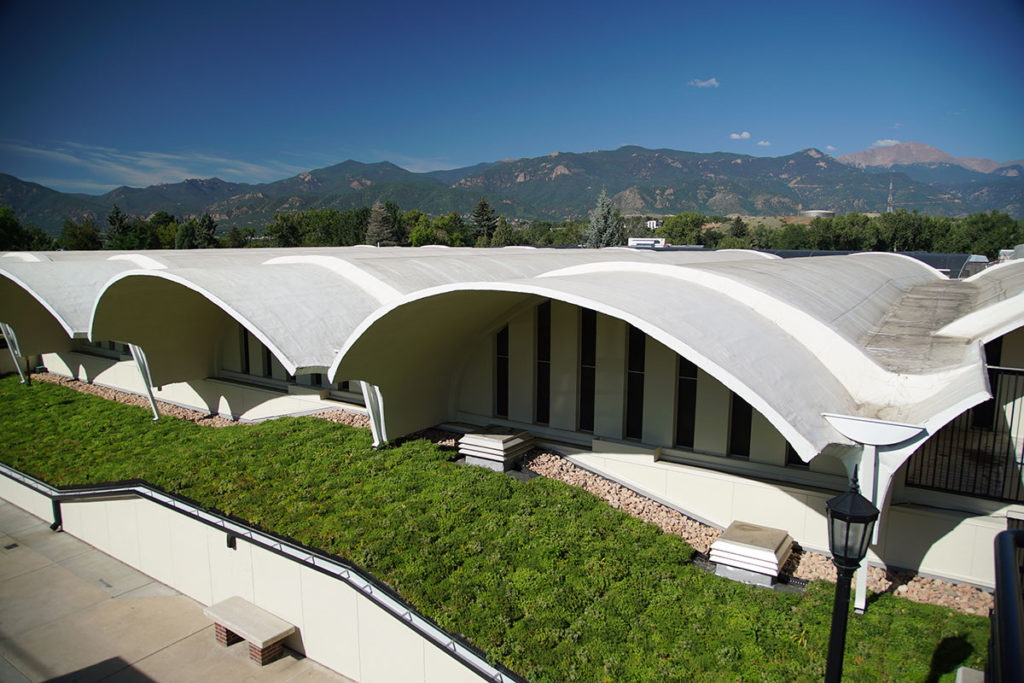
[980, 233]
[385, 224]
[160, 231]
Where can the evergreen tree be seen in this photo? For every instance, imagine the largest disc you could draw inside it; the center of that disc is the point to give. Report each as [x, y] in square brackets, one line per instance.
[503, 236]
[206, 232]
[285, 230]
[13, 237]
[379, 230]
[235, 239]
[84, 237]
[186, 238]
[738, 228]
[394, 220]
[605, 230]
[118, 236]
[483, 220]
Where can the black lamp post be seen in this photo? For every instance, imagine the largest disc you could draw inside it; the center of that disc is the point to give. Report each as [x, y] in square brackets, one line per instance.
[851, 520]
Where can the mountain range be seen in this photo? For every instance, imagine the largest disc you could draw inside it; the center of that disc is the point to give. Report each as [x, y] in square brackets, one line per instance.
[565, 185]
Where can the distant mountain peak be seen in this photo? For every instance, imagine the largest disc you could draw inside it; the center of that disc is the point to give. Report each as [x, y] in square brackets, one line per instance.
[900, 153]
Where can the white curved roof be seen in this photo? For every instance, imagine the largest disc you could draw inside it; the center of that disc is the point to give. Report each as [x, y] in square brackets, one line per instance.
[874, 335]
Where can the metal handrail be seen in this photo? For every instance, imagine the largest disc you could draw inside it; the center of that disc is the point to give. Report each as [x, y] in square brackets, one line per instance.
[1006, 643]
[234, 528]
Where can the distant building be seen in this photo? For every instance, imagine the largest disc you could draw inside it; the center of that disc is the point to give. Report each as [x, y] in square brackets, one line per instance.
[819, 213]
[649, 242]
[654, 224]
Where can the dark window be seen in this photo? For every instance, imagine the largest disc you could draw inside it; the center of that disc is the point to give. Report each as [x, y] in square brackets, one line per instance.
[739, 427]
[588, 368]
[686, 403]
[268, 366]
[343, 385]
[501, 383]
[543, 386]
[635, 357]
[317, 379]
[792, 459]
[245, 349]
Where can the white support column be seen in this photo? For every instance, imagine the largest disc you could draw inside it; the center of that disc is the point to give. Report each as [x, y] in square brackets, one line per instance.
[375, 409]
[140, 362]
[12, 346]
[884, 447]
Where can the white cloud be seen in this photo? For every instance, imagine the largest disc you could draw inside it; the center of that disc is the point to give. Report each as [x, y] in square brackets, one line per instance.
[710, 83]
[885, 143]
[108, 168]
[830, 148]
[745, 135]
[763, 143]
[897, 125]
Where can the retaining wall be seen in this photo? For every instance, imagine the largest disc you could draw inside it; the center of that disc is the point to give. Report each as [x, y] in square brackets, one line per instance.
[345, 625]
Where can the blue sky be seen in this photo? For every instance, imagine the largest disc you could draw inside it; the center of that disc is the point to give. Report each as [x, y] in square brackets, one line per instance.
[100, 94]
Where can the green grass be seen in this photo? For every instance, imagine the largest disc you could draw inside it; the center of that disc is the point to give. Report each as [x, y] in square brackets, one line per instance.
[545, 578]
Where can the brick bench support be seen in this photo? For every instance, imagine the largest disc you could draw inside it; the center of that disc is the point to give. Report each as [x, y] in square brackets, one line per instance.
[237, 619]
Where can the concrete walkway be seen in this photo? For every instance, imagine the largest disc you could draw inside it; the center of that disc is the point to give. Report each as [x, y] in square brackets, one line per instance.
[68, 612]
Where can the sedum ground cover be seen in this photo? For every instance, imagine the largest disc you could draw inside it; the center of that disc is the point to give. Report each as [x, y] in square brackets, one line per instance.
[545, 578]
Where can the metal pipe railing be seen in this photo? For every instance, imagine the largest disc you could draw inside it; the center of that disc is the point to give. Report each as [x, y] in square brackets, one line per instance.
[234, 528]
[1006, 643]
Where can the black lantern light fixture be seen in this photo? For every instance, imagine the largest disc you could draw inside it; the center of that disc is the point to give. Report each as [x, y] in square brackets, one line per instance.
[851, 523]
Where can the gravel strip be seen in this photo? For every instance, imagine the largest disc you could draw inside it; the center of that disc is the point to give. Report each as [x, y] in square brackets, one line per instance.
[802, 564]
[207, 419]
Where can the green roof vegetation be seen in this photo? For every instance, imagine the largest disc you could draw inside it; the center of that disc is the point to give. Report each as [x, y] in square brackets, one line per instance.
[545, 578]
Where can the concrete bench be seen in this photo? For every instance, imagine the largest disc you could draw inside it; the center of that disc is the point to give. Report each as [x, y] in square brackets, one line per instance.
[238, 619]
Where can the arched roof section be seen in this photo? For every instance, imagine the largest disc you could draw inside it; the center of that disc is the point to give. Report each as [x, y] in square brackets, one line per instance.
[998, 307]
[297, 313]
[66, 290]
[787, 336]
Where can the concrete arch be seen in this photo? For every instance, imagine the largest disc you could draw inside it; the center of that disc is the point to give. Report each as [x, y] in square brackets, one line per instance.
[179, 324]
[1001, 304]
[38, 325]
[446, 317]
[11, 289]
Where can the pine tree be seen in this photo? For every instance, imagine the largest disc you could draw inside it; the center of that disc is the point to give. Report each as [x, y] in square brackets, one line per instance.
[483, 220]
[117, 236]
[379, 230]
[185, 238]
[206, 232]
[605, 230]
[284, 230]
[503, 236]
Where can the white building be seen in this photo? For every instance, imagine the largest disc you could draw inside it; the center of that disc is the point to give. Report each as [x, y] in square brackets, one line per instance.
[699, 378]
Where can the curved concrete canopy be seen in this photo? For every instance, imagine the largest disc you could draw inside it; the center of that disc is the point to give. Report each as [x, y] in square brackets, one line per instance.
[66, 289]
[296, 313]
[793, 337]
[303, 303]
[998, 307]
[875, 335]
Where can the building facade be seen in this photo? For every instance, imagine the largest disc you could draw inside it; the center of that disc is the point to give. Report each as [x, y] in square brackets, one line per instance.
[704, 380]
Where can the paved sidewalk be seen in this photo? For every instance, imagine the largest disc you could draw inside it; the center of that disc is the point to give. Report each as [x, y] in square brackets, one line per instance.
[69, 612]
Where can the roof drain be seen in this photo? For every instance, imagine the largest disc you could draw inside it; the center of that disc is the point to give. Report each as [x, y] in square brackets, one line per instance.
[140, 362]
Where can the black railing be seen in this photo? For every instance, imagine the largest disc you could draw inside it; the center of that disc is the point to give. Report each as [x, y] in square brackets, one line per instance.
[236, 529]
[981, 452]
[1006, 644]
